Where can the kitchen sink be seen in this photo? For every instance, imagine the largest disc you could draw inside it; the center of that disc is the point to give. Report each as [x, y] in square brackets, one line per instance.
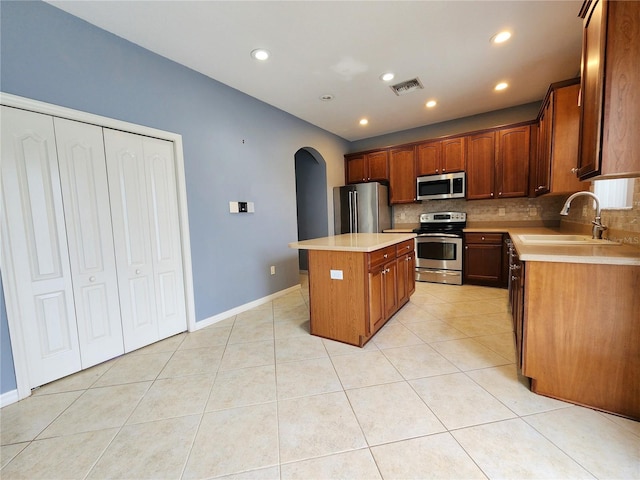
[563, 240]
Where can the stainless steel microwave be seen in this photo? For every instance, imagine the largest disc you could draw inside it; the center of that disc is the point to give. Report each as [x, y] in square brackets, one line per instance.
[439, 187]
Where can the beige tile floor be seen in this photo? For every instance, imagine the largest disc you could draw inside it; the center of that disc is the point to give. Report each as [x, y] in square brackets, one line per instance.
[435, 394]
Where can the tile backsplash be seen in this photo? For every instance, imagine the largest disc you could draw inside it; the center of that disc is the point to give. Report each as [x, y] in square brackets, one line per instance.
[499, 210]
[624, 225]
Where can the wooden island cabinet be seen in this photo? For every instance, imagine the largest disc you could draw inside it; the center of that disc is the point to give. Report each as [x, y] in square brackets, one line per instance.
[357, 282]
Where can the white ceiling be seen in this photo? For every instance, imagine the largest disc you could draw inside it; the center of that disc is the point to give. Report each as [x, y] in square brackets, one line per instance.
[342, 47]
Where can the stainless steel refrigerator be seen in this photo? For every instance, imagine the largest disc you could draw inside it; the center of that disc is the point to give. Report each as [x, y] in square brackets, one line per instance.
[361, 208]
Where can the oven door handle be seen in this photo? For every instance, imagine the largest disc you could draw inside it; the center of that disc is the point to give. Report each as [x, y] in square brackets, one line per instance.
[448, 235]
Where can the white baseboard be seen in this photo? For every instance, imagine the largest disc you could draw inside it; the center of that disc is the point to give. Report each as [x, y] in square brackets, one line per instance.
[7, 398]
[206, 322]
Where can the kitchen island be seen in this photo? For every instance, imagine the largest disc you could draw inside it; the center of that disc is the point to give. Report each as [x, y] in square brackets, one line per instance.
[357, 282]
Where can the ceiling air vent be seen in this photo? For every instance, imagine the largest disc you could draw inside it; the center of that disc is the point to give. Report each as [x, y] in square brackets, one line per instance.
[407, 87]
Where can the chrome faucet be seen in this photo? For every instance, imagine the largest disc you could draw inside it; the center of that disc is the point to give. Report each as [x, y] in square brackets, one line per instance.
[598, 227]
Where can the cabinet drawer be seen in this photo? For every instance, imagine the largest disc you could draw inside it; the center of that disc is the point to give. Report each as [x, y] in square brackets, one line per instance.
[486, 238]
[405, 247]
[383, 255]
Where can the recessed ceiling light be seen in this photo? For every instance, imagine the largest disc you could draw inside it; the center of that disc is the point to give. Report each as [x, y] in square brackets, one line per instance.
[260, 54]
[326, 98]
[501, 86]
[431, 103]
[501, 37]
[387, 77]
[364, 121]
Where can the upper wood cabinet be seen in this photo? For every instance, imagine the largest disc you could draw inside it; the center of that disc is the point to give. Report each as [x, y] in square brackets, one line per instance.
[402, 175]
[557, 150]
[367, 167]
[440, 156]
[481, 160]
[498, 163]
[453, 154]
[610, 90]
[512, 162]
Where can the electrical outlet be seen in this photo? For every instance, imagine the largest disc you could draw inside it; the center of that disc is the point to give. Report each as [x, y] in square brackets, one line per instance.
[502, 212]
[273, 269]
[533, 211]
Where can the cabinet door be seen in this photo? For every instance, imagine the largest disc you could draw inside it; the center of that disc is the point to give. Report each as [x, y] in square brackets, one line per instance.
[376, 299]
[453, 155]
[566, 133]
[592, 85]
[542, 177]
[36, 247]
[411, 274]
[355, 169]
[481, 166]
[406, 277]
[512, 165]
[483, 264]
[621, 105]
[83, 176]
[428, 158]
[377, 166]
[402, 176]
[390, 281]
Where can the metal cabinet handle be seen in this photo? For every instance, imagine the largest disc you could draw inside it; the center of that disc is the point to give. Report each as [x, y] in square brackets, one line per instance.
[92, 279]
[574, 170]
[137, 272]
[385, 255]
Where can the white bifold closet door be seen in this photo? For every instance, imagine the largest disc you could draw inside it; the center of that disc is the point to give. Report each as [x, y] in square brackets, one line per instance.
[142, 188]
[93, 248]
[32, 203]
[85, 192]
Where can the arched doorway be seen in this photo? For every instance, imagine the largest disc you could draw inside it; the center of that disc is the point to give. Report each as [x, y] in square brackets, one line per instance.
[311, 198]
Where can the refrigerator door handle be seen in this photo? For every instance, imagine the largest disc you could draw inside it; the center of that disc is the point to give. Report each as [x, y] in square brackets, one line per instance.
[350, 211]
[355, 209]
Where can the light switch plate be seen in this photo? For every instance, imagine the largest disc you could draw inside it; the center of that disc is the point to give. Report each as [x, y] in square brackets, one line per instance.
[233, 207]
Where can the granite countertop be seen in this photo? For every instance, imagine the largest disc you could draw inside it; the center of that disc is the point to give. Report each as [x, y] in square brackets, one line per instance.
[353, 242]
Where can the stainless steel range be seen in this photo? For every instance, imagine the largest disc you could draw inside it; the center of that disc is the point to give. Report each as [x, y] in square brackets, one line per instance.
[439, 247]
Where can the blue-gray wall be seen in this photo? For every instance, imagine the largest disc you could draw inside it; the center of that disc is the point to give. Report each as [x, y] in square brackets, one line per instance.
[496, 118]
[235, 147]
[7, 374]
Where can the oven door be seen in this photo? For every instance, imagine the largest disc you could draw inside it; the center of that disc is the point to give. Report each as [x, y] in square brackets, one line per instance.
[439, 251]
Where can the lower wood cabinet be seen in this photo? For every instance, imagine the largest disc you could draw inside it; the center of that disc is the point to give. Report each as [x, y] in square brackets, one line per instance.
[581, 335]
[484, 259]
[373, 287]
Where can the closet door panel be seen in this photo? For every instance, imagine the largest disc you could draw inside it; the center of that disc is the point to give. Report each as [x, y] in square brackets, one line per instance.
[132, 237]
[32, 203]
[165, 232]
[85, 191]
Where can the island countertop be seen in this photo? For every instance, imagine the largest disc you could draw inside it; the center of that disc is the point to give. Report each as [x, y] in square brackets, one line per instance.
[353, 242]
